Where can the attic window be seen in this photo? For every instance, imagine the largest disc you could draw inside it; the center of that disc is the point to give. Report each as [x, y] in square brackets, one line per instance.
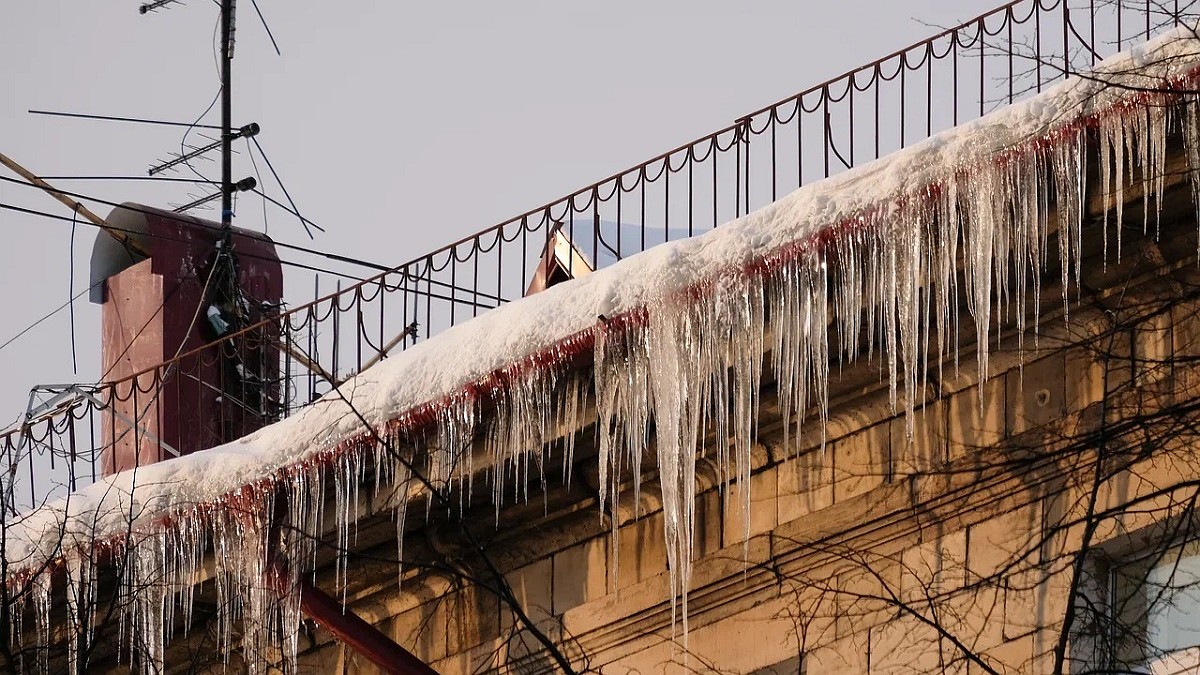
[560, 261]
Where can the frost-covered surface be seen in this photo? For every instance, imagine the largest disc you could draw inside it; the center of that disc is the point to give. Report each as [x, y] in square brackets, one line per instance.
[682, 329]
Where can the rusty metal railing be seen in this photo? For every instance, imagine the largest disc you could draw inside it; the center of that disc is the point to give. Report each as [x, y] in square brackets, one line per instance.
[956, 75]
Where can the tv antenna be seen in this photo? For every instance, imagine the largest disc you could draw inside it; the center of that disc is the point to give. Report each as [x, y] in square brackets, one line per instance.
[159, 4]
[228, 134]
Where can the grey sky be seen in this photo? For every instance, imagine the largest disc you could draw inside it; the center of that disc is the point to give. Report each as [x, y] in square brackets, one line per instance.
[397, 126]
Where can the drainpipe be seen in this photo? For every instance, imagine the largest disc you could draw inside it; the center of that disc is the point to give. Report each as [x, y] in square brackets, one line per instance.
[357, 634]
[348, 627]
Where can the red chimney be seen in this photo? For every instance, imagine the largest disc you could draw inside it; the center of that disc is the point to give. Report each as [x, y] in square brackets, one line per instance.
[196, 286]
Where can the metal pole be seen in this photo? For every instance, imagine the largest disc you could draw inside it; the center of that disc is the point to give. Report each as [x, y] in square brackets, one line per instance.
[343, 623]
[359, 635]
[227, 10]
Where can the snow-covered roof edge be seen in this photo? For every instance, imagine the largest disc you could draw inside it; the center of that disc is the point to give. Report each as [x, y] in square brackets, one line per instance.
[792, 257]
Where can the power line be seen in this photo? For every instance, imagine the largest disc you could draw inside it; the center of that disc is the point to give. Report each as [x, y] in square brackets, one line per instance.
[167, 179]
[194, 125]
[163, 237]
[111, 118]
[56, 310]
[246, 254]
[295, 247]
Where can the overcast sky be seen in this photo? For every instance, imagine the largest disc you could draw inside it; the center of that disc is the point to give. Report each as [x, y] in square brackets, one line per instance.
[397, 126]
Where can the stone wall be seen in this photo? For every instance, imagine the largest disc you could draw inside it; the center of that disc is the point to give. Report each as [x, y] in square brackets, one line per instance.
[948, 549]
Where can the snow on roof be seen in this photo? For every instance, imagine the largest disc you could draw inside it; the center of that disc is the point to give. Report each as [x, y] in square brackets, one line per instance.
[864, 239]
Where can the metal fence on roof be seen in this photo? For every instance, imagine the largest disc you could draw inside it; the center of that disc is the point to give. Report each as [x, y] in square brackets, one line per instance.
[956, 75]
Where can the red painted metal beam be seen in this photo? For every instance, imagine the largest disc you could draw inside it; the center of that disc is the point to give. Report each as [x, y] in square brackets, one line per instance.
[357, 634]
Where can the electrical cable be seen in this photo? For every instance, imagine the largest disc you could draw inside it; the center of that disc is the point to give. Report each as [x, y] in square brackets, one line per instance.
[183, 141]
[163, 237]
[167, 179]
[152, 399]
[246, 254]
[162, 305]
[295, 247]
[111, 118]
[47, 317]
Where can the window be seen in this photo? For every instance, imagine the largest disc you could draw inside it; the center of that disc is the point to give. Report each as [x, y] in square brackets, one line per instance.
[1155, 613]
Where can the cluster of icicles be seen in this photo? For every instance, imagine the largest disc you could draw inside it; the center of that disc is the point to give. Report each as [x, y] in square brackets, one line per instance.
[883, 284]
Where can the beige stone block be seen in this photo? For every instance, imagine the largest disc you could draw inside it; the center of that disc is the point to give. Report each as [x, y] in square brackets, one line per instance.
[790, 666]
[1087, 365]
[974, 424]
[1008, 541]
[934, 567]
[1185, 338]
[1037, 393]
[1012, 656]
[1061, 512]
[1153, 347]
[1084, 378]
[1185, 333]
[354, 663]
[641, 551]
[907, 645]
[418, 630]
[522, 652]
[661, 656]
[974, 616]
[488, 657]
[532, 587]
[864, 592]
[747, 642]
[762, 513]
[925, 449]
[812, 612]
[852, 416]
[804, 485]
[846, 655]
[1035, 599]
[1044, 644]
[860, 462]
[327, 659]
[1147, 485]
[710, 521]
[468, 617]
[1118, 492]
[581, 573]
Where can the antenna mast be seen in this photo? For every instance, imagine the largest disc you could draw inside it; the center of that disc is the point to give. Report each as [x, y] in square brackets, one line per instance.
[227, 30]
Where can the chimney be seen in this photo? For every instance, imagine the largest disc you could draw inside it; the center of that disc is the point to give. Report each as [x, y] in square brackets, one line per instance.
[195, 288]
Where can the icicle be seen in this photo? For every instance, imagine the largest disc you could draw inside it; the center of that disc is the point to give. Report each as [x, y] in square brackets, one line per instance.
[1191, 141]
[1070, 176]
[623, 409]
[1114, 136]
[685, 366]
[402, 477]
[40, 587]
[81, 599]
